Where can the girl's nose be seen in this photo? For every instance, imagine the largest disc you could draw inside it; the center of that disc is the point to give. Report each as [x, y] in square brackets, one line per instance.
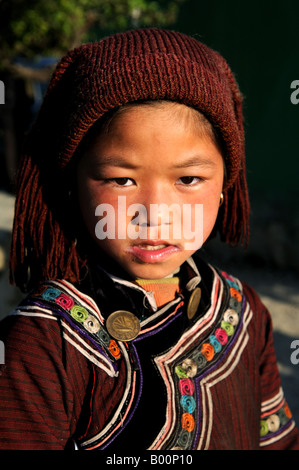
[159, 215]
[149, 215]
[158, 205]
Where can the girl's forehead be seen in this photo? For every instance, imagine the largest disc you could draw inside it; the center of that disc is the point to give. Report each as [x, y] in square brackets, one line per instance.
[170, 115]
[137, 136]
[136, 139]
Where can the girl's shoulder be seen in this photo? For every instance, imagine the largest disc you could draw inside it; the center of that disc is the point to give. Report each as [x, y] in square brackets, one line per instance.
[59, 306]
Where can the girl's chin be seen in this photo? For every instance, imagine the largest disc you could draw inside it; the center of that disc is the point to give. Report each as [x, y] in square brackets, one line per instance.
[150, 273]
[137, 269]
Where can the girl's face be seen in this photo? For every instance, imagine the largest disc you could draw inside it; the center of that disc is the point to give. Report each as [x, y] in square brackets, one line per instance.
[149, 188]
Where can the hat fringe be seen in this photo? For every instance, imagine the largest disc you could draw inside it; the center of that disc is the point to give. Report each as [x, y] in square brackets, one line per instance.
[234, 222]
[39, 247]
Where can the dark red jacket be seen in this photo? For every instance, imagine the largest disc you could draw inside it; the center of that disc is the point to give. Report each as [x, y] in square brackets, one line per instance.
[210, 382]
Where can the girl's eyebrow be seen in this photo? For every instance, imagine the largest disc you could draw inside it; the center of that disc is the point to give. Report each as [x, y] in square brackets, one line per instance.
[196, 160]
[116, 161]
[123, 163]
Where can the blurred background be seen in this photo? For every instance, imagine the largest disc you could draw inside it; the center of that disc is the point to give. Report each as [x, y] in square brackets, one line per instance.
[260, 40]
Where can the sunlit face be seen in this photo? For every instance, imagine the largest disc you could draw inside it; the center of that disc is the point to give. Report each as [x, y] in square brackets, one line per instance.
[148, 156]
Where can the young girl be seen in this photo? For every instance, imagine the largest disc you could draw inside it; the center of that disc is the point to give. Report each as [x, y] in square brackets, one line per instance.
[127, 339]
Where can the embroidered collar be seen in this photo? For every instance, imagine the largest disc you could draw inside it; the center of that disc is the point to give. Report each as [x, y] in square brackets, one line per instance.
[194, 280]
[101, 282]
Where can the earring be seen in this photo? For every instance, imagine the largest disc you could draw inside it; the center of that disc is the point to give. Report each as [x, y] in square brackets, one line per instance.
[221, 199]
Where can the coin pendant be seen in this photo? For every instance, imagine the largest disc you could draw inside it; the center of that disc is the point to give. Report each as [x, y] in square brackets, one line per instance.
[123, 325]
[193, 302]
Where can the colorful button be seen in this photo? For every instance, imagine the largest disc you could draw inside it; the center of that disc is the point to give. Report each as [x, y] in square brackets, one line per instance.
[273, 423]
[65, 301]
[188, 403]
[227, 327]
[188, 422]
[79, 313]
[231, 316]
[235, 305]
[92, 324]
[186, 386]
[215, 343]
[189, 367]
[208, 351]
[51, 293]
[263, 428]
[221, 335]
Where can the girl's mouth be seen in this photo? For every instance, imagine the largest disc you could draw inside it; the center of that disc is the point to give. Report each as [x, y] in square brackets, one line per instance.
[153, 252]
[152, 247]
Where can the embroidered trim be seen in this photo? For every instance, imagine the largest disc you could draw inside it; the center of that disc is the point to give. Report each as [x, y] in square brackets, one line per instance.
[275, 421]
[200, 366]
[200, 360]
[121, 416]
[126, 411]
[96, 355]
[79, 315]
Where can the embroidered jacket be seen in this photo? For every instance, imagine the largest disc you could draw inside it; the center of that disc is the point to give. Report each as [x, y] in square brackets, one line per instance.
[207, 381]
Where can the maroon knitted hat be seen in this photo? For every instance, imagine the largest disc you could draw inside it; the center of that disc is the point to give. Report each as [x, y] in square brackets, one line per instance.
[143, 64]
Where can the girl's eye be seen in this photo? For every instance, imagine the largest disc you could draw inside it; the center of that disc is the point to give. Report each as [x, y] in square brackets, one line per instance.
[189, 180]
[121, 181]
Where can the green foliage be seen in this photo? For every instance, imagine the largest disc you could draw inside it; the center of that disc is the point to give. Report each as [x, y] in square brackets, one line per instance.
[41, 27]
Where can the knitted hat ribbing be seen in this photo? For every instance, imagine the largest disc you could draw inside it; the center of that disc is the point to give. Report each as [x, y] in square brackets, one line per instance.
[95, 78]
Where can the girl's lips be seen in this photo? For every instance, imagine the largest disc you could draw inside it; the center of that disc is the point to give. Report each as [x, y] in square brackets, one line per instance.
[153, 252]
